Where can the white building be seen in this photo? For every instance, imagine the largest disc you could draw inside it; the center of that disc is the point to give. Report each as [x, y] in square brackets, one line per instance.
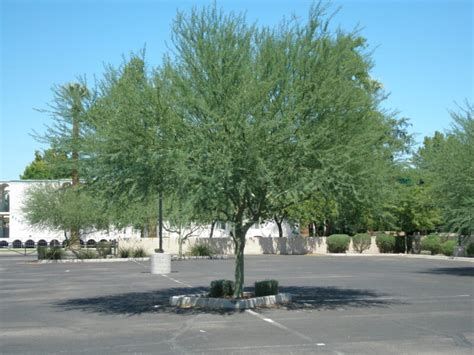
[15, 231]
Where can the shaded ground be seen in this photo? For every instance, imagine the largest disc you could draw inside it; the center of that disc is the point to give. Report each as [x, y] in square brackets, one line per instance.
[342, 305]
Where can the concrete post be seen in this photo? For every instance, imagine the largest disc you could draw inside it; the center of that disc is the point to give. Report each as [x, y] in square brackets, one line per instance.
[160, 263]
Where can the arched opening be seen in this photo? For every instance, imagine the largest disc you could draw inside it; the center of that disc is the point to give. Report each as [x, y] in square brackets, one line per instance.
[17, 243]
[30, 243]
[91, 243]
[81, 242]
[3, 244]
[42, 243]
[103, 240]
[54, 243]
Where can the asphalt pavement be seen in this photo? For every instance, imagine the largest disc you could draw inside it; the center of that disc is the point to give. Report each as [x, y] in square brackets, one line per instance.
[343, 305]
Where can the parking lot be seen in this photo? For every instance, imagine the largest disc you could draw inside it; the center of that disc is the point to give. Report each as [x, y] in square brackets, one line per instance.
[343, 305]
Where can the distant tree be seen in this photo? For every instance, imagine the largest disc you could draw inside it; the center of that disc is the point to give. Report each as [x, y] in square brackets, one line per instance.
[448, 162]
[61, 208]
[66, 135]
[46, 166]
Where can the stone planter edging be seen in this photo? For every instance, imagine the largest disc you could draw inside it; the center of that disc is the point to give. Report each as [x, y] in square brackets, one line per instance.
[189, 301]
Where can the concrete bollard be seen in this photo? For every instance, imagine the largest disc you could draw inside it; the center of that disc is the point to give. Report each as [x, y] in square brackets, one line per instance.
[160, 263]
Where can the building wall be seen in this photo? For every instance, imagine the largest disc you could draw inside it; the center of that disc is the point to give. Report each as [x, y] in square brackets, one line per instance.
[20, 230]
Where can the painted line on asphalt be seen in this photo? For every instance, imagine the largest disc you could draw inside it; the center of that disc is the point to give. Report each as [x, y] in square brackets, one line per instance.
[177, 281]
[281, 326]
[380, 298]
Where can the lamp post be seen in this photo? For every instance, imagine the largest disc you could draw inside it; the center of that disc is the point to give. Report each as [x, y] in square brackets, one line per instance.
[160, 222]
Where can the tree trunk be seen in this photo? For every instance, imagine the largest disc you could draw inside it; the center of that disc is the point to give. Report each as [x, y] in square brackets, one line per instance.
[280, 228]
[239, 241]
[212, 229]
[74, 240]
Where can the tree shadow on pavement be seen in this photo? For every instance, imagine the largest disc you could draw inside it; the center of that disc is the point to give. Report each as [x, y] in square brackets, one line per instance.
[456, 271]
[137, 303]
[327, 298]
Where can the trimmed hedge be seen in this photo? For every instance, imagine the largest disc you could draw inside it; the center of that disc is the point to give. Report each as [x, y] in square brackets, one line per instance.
[361, 242]
[266, 288]
[222, 288]
[431, 243]
[385, 243]
[447, 247]
[338, 243]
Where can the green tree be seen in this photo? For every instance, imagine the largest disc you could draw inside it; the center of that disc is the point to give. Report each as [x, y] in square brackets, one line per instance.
[243, 123]
[46, 166]
[447, 162]
[56, 207]
[274, 116]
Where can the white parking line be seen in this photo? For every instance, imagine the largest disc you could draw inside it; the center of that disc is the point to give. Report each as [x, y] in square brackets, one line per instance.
[281, 326]
[177, 281]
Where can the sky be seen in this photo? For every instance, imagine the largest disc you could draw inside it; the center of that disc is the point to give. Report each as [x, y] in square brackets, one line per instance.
[422, 51]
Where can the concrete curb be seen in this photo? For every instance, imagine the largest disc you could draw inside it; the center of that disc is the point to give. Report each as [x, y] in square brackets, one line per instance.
[190, 301]
[413, 256]
[117, 260]
[69, 261]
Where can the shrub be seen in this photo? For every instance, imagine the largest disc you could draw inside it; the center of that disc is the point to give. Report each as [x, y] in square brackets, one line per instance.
[470, 249]
[338, 243]
[222, 288]
[124, 252]
[104, 248]
[41, 252]
[385, 243]
[431, 243]
[361, 242]
[138, 252]
[447, 247]
[86, 254]
[201, 250]
[51, 253]
[266, 288]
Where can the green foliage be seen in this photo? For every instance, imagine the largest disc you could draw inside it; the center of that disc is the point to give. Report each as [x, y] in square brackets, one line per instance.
[53, 207]
[248, 122]
[104, 248]
[385, 243]
[361, 242]
[46, 166]
[138, 252]
[338, 243]
[431, 243]
[87, 254]
[125, 252]
[221, 288]
[50, 253]
[447, 247]
[201, 250]
[447, 161]
[266, 288]
[470, 249]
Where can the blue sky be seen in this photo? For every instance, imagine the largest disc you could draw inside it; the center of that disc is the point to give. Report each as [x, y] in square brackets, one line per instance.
[423, 53]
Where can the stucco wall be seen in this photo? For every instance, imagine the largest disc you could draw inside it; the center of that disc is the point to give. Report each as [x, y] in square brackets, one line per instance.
[253, 246]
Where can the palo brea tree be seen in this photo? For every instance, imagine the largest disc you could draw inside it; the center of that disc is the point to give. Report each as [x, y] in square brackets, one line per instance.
[274, 115]
[243, 122]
